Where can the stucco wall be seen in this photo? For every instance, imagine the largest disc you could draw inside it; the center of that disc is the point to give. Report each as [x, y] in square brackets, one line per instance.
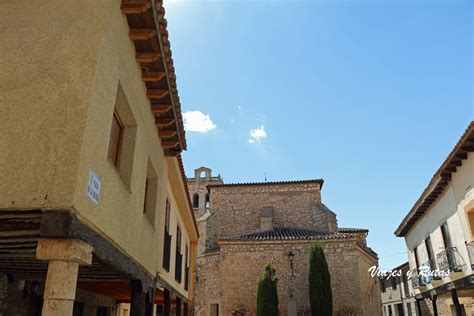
[48, 59]
[65, 66]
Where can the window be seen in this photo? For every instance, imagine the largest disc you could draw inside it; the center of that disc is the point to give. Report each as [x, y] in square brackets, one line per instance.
[167, 216]
[115, 140]
[123, 133]
[429, 250]
[470, 218]
[102, 311]
[196, 200]
[207, 201]
[214, 309]
[147, 194]
[179, 256]
[167, 238]
[186, 267]
[150, 194]
[409, 309]
[394, 283]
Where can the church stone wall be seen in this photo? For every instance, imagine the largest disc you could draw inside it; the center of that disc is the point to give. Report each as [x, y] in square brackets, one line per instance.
[230, 277]
[294, 205]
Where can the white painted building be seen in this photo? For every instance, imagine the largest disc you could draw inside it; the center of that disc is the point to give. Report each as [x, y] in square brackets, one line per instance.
[439, 234]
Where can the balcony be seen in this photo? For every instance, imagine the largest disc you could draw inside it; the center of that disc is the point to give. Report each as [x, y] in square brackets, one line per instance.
[450, 261]
[415, 278]
[470, 252]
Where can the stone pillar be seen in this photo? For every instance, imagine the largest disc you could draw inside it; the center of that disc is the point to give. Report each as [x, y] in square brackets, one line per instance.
[64, 257]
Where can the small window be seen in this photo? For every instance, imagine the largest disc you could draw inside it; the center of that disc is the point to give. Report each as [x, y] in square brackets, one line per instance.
[207, 201]
[167, 216]
[178, 239]
[122, 138]
[102, 311]
[196, 200]
[470, 217]
[115, 140]
[150, 194]
[214, 309]
[394, 283]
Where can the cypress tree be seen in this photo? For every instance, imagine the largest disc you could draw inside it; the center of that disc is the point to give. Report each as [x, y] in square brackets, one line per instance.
[267, 297]
[320, 293]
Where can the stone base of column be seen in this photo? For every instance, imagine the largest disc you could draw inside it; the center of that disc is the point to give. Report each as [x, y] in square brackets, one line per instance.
[64, 257]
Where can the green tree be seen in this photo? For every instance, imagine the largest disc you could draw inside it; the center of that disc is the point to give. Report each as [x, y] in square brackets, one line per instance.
[267, 297]
[320, 293]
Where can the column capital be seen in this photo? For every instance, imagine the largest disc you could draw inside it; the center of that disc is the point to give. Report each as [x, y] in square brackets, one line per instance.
[65, 250]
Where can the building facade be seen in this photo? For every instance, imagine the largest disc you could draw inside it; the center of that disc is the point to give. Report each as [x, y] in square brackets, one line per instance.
[244, 227]
[439, 234]
[94, 209]
[398, 297]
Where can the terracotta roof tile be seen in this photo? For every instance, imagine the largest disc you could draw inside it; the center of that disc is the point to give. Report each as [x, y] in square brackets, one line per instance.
[290, 234]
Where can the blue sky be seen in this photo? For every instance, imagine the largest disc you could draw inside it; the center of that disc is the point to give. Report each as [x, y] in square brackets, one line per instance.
[371, 96]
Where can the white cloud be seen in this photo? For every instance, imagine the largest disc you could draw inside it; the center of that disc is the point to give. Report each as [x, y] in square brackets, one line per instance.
[196, 121]
[257, 134]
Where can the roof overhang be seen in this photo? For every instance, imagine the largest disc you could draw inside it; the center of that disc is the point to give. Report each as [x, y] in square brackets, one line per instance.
[150, 37]
[439, 181]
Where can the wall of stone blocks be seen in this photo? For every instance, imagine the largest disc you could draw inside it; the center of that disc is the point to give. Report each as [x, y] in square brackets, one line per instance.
[230, 277]
[294, 205]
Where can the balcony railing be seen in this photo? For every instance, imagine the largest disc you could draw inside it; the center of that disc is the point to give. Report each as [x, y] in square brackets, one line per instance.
[414, 278]
[449, 260]
[470, 252]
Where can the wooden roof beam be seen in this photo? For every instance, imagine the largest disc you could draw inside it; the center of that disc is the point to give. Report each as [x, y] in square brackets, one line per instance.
[142, 34]
[156, 93]
[161, 108]
[153, 76]
[167, 133]
[147, 57]
[169, 143]
[135, 8]
[162, 122]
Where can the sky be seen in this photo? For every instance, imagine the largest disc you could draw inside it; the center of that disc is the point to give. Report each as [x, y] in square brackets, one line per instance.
[371, 96]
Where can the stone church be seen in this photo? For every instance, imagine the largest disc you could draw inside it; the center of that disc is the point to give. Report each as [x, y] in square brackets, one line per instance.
[245, 226]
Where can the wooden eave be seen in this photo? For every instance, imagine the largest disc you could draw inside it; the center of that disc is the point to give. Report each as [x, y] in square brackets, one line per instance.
[150, 37]
[439, 181]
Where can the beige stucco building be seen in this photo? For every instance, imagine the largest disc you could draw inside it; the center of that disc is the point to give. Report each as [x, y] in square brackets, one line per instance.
[398, 297]
[92, 184]
[439, 234]
[245, 226]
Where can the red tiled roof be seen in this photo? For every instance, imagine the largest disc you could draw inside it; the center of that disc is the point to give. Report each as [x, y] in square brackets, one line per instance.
[352, 230]
[290, 234]
[320, 181]
[148, 31]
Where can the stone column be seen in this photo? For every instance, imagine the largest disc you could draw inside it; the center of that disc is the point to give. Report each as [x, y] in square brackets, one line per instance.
[64, 257]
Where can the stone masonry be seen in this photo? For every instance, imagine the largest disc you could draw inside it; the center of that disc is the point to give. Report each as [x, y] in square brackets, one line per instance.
[246, 226]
